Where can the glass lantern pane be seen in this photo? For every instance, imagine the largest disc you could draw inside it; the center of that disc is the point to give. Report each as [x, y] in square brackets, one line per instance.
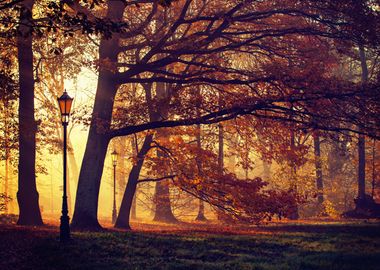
[68, 106]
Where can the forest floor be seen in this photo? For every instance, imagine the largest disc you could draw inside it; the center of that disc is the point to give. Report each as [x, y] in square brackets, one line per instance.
[302, 245]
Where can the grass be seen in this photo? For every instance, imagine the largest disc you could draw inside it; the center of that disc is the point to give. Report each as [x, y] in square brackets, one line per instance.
[303, 246]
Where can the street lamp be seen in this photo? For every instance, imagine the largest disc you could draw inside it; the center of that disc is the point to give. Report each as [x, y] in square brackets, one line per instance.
[64, 103]
[114, 162]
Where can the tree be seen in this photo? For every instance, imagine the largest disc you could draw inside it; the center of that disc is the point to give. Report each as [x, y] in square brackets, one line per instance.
[27, 194]
[168, 54]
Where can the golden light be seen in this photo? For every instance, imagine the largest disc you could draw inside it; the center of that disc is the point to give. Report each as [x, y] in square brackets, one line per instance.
[65, 102]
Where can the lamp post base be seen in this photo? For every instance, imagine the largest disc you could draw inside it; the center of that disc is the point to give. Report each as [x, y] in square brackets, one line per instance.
[64, 229]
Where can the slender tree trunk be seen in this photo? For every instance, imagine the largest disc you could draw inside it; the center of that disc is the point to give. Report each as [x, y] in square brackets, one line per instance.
[122, 220]
[6, 179]
[373, 168]
[220, 148]
[7, 157]
[361, 141]
[219, 213]
[294, 212]
[27, 195]
[86, 203]
[318, 168]
[133, 215]
[361, 168]
[201, 210]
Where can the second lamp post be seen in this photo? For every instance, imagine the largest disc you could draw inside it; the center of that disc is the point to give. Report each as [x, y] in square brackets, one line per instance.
[114, 162]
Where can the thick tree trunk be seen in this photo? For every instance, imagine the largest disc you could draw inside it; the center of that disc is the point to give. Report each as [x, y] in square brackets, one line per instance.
[122, 220]
[163, 205]
[201, 212]
[27, 195]
[318, 168]
[133, 215]
[163, 211]
[86, 203]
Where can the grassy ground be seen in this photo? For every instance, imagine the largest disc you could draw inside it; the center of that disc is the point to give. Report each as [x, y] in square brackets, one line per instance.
[282, 246]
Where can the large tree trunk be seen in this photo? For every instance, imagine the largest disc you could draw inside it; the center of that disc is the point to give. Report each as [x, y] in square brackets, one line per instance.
[86, 203]
[201, 212]
[122, 220]
[27, 195]
[133, 215]
[318, 168]
[163, 211]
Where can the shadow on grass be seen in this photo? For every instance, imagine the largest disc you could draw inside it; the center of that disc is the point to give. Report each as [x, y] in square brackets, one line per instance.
[370, 229]
[300, 247]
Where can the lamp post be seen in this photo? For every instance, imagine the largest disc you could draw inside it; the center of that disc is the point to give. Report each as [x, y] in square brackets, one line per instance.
[114, 162]
[65, 102]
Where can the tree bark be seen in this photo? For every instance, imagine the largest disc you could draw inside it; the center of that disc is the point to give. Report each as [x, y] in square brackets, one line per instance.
[133, 215]
[163, 211]
[123, 218]
[86, 203]
[201, 212]
[7, 157]
[27, 195]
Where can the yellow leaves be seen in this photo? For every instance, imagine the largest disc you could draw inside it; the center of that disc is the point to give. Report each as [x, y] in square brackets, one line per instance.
[196, 180]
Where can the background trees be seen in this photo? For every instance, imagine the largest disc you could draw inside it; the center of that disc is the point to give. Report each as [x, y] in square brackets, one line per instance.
[268, 73]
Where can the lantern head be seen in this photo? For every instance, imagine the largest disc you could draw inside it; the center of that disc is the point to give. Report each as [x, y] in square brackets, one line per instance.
[65, 102]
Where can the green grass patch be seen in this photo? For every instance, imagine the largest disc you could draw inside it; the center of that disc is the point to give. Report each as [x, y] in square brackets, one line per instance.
[340, 246]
